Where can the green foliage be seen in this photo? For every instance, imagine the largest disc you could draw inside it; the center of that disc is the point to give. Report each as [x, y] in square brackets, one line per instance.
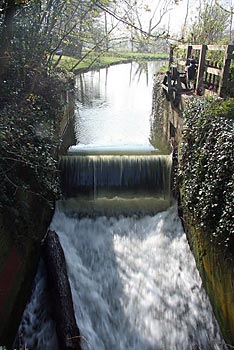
[209, 26]
[67, 62]
[28, 142]
[207, 166]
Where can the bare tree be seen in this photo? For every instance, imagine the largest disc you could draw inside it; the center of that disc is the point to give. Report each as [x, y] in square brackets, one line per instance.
[142, 21]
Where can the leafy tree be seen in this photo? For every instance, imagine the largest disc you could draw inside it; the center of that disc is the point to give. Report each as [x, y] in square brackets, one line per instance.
[210, 24]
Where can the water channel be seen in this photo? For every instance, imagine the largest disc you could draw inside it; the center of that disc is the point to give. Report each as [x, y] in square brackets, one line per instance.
[134, 282]
[115, 104]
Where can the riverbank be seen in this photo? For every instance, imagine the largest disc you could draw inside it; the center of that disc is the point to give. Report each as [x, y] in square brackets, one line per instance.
[96, 61]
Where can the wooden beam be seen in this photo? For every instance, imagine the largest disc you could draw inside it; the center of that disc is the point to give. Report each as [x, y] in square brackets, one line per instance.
[171, 55]
[217, 47]
[223, 85]
[201, 67]
[67, 330]
[215, 71]
[183, 47]
[189, 53]
[210, 47]
[197, 47]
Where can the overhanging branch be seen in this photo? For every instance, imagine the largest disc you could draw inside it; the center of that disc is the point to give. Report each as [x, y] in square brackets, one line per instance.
[124, 21]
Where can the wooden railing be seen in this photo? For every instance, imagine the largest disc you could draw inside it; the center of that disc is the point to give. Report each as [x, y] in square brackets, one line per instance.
[210, 75]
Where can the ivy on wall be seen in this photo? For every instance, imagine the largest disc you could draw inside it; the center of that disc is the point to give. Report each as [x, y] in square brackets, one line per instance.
[207, 167]
[28, 145]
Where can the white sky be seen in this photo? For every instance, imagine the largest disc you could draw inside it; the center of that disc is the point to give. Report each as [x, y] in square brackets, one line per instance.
[176, 17]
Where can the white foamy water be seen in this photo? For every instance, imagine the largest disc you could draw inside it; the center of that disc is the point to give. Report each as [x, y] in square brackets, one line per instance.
[135, 284]
[37, 329]
[91, 149]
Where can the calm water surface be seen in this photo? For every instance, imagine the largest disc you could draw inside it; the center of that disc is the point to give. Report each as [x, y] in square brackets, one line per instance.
[114, 104]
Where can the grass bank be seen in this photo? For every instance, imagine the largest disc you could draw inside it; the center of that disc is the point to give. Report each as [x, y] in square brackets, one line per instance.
[94, 61]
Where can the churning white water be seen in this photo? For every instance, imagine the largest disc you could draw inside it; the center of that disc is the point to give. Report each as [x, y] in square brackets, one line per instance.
[135, 284]
[37, 329]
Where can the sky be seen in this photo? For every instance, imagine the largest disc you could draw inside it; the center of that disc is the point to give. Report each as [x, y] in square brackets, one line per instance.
[174, 18]
[177, 16]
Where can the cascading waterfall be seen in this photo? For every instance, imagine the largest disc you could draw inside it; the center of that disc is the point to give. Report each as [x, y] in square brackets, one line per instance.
[135, 285]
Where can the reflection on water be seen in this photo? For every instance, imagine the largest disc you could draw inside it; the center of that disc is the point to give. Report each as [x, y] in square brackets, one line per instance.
[114, 104]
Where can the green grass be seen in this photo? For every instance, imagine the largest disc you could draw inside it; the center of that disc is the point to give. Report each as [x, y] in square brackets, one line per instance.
[144, 56]
[94, 61]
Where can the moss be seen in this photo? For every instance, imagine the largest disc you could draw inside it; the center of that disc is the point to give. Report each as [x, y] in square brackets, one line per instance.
[163, 69]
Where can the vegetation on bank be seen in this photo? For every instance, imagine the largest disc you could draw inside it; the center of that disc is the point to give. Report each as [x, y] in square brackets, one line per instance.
[95, 61]
[207, 167]
[28, 142]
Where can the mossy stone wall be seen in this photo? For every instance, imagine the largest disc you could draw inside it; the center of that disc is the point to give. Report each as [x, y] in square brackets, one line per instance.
[217, 273]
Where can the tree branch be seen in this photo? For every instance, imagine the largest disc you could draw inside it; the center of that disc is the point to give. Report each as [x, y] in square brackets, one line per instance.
[93, 48]
[124, 21]
[231, 11]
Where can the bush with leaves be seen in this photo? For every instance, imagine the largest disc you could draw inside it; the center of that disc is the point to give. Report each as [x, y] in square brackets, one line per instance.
[207, 166]
[29, 141]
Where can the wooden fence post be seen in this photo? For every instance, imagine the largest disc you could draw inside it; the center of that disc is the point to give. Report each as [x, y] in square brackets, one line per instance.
[171, 59]
[223, 84]
[189, 52]
[202, 61]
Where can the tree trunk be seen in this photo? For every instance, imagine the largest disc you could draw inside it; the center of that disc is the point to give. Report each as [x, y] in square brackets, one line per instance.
[66, 327]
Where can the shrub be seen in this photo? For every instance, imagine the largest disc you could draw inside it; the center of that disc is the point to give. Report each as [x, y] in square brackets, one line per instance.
[207, 166]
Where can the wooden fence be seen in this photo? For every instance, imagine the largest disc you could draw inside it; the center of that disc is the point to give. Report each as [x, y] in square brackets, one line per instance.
[210, 75]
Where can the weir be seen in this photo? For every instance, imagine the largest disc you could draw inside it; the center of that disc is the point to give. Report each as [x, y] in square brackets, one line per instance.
[107, 176]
